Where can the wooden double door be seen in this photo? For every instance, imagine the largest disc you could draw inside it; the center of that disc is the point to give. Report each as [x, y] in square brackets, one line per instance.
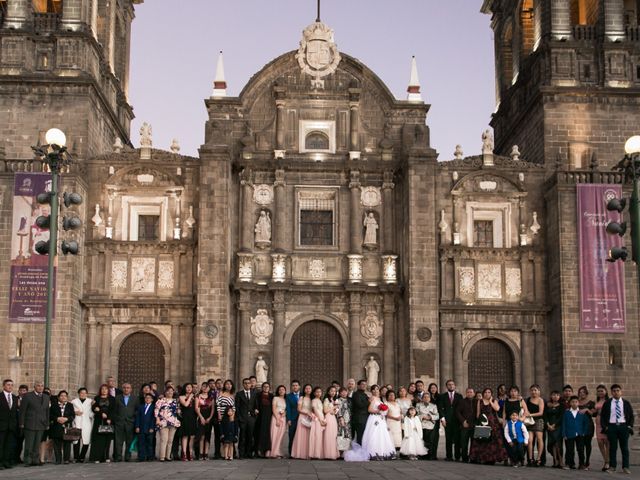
[317, 354]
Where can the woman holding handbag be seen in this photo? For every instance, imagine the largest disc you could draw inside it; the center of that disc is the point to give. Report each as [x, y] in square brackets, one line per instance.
[84, 421]
[488, 450]
[102, 433]
[61, 417]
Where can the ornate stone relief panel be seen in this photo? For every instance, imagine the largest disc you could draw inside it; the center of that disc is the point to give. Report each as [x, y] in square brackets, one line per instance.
[370, 197]
[371, 329]
[263, 194]
[467, 281]
[513, 281]
[489, 281]
[317, 269]
[143, 274]
[261, 327]
[118, 275]
[166, 275]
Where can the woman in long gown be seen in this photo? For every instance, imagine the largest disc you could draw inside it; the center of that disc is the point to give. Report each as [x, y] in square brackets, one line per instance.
[330, 440]
[263, 422]
[488, 451]
[188, 422]
[300, 447]
[404, 401]
[344, 420]
[103, 407]
[394, 419]
[278, 422]
[318, 424]
[376, 441]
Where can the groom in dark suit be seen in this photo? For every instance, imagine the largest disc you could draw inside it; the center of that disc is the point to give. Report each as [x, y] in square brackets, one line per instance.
[8, 423]
[449, 401]
[360, 402]
[292, 410]
[246, 414]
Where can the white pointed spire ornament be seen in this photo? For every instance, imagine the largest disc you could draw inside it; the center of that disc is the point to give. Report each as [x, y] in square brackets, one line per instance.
[219, 83]
[414, 83]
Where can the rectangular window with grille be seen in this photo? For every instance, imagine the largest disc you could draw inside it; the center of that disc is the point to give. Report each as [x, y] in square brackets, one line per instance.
[317, 218]
[483, 233]
[148, 227]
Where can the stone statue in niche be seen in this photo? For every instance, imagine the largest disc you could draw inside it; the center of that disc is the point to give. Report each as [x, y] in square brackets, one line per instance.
[487, 141]
[145, 135]
[261, 370]
[370, 230]
[263, 229]
[372, 368]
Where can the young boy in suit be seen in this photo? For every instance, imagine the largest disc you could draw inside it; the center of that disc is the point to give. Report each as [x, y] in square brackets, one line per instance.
[145, 423]
[517, 436]
[574, 428]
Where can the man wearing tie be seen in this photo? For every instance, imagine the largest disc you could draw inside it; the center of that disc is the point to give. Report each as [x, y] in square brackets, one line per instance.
[291, 401]
[246, 413]
[8, 423]
[616, 419]
[123, 419]
[145, 428]
[448, 405]
[34, 420]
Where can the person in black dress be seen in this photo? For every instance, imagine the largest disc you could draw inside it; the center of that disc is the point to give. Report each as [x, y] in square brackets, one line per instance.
[553, 413]
[61, 417]
[435, 439]
[103, 408]
[188, 422]
[263, 423]
[205, 412]
[588, 407]
[492, 450]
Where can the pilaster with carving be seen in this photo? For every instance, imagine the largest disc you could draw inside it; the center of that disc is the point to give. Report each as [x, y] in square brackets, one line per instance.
[355, 309]
[389, 327]
[279, 359]
[356, 212]
[387, 208]
[244, 309]
[246, 227]
[279, 213]
[354, 124]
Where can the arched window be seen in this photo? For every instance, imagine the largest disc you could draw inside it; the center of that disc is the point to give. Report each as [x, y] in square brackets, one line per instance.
[316, 141]
[585, 12]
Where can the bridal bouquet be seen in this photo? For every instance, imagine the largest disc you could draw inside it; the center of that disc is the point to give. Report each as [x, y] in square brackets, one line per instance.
[383, 409]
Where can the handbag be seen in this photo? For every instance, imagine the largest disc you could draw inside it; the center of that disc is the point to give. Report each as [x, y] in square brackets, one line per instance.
[529, 421]
[105, 429]
[305, 421]
[72, 434]
[482, 431]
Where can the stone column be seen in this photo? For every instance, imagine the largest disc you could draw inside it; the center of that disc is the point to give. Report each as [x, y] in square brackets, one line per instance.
[278, 360]
[614, 20]
[527, 348]
[72, 15]
[280, 212]
[94, 18]
[389, 361]
[458, 364]
[246, 360]
[91, 366]
[247, 221]
[354, 124]
[18, 13]
[560, 20]
[355, 352]
[356, 213]
[387, 211]
[446, 345]
[279, 93]
[176, 357]
[105, 354]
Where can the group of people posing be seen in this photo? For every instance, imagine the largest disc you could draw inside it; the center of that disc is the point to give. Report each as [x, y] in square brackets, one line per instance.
[354, 422]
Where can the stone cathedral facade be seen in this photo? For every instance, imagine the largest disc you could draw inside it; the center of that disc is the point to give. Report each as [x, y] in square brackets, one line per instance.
[318, 233]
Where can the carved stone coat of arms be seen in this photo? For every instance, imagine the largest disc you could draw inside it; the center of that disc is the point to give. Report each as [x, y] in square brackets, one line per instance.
[318, 54]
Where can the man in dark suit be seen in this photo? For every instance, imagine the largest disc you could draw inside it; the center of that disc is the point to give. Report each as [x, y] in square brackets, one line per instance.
[246, 414]
[34, 420]
[291, 401]
[449, 401]
[616, 420]
[360, 414]
[8, 423]
[123, 420]
[466, 416]
[17, 453]
[114, 391]
[144, 425]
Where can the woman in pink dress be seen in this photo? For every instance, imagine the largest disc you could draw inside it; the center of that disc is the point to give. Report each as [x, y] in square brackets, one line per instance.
[300, 447]
[330, 408]
[318, 424]
[603, 441]
[278, 423]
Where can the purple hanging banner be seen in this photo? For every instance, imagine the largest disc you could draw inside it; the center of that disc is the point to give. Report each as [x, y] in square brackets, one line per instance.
[28, 294]
[601, 282]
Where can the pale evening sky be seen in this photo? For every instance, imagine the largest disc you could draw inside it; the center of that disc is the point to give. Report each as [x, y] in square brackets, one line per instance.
[175, 47]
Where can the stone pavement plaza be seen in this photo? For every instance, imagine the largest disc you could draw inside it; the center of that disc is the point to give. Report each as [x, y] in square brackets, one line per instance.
[299, 469]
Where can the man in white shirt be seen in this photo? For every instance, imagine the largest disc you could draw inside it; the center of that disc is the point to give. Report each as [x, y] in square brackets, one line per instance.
[616, 419]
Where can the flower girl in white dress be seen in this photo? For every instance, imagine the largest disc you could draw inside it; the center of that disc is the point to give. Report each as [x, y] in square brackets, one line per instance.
[412, 443]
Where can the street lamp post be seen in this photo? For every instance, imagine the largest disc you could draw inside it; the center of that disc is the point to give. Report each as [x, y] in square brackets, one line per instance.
[54, 154]
[632, 149]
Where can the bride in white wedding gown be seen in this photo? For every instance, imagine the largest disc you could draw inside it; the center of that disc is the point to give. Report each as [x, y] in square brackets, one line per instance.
[376, 441]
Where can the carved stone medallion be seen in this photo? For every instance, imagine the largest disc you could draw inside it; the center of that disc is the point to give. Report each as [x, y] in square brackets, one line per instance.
[370, 197]
[211, 331]
[261, 327]
[263, 194]
[371, 329]
[318, 54]
[424, 334]
[317, 269]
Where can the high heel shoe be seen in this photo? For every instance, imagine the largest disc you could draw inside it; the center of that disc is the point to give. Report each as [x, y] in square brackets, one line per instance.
[183, 457]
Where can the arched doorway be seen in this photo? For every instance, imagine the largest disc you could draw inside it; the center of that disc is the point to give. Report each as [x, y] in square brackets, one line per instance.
[490, 364]
[141, 360]
[316, 354]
